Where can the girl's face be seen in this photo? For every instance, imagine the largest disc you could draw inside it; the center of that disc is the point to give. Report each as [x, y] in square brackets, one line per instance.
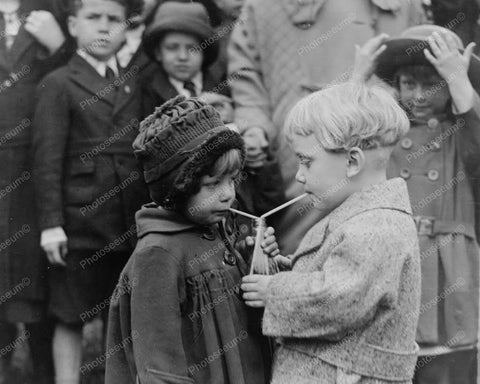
[424, 96]
[210, 205]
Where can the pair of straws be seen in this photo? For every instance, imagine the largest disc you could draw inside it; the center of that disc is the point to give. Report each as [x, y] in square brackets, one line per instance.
[259, 259]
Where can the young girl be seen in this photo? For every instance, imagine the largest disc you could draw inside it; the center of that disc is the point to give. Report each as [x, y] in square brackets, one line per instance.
[177, 315]
[435, 79]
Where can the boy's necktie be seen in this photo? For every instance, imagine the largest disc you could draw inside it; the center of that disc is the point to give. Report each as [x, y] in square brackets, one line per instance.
[190, 87]
[109, 74]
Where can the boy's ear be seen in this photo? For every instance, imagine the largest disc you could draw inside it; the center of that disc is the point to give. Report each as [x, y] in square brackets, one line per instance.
[72, 25]
[158, 51]
[355, 161]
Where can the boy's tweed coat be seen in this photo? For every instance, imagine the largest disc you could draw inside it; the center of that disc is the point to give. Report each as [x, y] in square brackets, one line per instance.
[348, 311]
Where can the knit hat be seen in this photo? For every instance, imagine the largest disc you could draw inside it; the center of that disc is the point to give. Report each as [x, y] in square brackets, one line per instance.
[408, 49]
[178, 140]
[191, 18]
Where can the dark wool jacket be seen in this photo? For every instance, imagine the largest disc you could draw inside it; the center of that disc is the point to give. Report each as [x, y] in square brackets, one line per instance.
[21, 69]
[87, 179]
[156, 89]
[177, 315]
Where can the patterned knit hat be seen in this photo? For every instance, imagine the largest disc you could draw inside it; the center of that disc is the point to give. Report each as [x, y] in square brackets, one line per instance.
[180, 138]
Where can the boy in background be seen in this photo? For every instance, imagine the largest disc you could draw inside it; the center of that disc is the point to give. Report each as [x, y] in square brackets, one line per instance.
[180, 40]
[88, 186]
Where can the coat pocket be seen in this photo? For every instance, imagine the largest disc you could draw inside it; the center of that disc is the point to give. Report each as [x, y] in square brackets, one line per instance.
[169, 378]
[80, 182]
[344, 377]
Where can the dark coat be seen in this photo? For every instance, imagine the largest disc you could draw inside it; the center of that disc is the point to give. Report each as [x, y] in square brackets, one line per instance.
[157, 89]
[177, 315]
[21, 68]
[86, 177]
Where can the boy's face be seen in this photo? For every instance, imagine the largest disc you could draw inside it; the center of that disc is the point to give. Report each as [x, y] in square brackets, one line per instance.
[99, 27]
[210, 205]
[231, 8]
[424, 96]
[180, 55]
[322, 173]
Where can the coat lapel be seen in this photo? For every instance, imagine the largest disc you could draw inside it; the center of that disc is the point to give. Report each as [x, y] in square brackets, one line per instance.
[162, 86]
[21, 44]
[87, 78]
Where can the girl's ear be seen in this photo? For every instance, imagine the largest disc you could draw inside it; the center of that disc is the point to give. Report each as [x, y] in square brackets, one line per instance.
[355, 161]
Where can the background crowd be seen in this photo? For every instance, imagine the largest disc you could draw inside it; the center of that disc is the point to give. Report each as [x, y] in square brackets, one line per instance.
[70, 184]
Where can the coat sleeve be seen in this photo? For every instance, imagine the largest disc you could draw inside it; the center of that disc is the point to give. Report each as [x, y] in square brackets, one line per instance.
[50, 133]
[156, 318]
[361, 274]
[252, 105]
[468, 125]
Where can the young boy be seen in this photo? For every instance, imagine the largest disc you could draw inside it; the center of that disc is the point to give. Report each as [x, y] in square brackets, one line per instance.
[177, 310]
[348, 310]
[88, 185]
[182, 42]
[434, 83]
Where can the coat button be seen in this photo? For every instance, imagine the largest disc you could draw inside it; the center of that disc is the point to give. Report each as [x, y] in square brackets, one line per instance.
[127, 89]
[436, 146]
[406, 143]
[8, 83]
[433, 175]
[432, 123]
[405, 173]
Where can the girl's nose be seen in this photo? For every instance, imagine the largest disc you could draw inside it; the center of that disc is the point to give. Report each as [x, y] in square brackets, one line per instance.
[228, 192]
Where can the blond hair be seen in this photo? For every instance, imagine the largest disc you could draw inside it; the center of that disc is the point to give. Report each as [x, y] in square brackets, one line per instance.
[349, 115]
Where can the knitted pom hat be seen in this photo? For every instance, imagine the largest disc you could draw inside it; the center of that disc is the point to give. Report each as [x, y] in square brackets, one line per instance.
[178, 140]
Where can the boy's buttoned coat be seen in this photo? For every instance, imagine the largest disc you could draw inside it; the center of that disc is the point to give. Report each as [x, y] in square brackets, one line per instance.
[86, 177]
[21, 68]
[348, 310]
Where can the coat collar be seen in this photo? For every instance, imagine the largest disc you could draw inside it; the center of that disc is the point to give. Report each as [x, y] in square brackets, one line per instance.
[155, 219]
[86, 77]
[391, 194]
[165, 89]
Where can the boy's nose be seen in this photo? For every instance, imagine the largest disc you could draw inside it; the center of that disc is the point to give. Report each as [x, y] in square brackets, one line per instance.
[183, 53]
[300, 177]
[104, 24]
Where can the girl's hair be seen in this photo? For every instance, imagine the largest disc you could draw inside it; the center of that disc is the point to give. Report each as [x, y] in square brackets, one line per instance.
[349, 115]
[173, 191]
[419, 72]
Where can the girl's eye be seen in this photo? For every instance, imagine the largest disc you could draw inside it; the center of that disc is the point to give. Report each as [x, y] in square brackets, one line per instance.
[306, 162]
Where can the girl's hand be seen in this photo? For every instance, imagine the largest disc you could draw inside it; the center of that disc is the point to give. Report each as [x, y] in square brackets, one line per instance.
[269, 244]
[453, 67]
[255, 290]
[366, 57]
[45, 29]
[283, 263]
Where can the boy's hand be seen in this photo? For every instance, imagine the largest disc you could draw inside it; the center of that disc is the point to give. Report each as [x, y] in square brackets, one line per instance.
[366, 57]
[255, 290]
[45, 29]
[453, 67]
[256, 145]
[269, 244]
[56, 252]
